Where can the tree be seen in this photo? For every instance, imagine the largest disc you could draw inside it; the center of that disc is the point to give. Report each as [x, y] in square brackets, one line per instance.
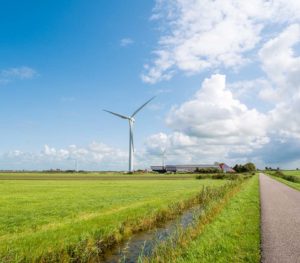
[248, 167]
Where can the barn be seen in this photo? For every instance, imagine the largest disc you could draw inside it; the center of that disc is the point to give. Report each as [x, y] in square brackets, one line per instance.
[188, 168]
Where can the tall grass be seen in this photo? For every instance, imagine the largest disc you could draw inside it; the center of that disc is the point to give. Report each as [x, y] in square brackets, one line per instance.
[227, 231]
[226, 176]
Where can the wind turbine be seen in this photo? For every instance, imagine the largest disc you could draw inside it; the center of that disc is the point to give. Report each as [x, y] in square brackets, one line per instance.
[163, 158]
[131, 121]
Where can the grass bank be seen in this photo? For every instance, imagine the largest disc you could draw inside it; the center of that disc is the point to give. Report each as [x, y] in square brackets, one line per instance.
[71, 220]
[290, 178]
[228, 231]
[286, 182]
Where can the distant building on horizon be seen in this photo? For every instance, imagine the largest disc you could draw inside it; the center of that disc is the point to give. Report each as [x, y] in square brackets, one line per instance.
[222, 167]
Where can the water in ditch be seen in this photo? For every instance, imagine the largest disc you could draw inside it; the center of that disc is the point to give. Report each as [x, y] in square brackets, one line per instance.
[143, 243]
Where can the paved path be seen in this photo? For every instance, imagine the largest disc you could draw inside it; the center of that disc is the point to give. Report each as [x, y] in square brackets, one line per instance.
[280, 222]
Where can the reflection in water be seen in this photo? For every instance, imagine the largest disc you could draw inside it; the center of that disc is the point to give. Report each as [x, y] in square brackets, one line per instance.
[143, 243]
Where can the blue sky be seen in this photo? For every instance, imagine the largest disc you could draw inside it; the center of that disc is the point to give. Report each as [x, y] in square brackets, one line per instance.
[62, 62]
[81, 68]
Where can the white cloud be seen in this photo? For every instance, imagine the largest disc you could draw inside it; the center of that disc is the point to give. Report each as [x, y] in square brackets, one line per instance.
[203, 34]
[126, 42]
[216, 124]
[8, 75]
[224, 119]
[280, 62]
[282, 67]
[93, 156]
[214, 113]
[19, 73]
[249, 88]
[212, 126]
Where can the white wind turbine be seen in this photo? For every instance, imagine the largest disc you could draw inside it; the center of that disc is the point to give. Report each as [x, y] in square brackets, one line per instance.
[131, 121]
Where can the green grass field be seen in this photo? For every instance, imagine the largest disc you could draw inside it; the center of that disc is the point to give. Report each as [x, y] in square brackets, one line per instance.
[92, 176]
[233, 235]
[292, 172]
[45, 219]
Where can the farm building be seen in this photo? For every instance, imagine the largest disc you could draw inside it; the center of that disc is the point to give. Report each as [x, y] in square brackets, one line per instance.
[192, 168]
[226, 169]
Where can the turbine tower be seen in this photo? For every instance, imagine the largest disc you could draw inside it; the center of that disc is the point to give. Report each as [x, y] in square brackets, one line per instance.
[131, 121]
[163, 158]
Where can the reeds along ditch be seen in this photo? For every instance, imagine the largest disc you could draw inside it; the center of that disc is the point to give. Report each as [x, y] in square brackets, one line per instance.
[226, 176]
[212, 202]
[92, 249]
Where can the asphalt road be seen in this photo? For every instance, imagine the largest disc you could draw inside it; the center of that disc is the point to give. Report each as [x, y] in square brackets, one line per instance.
[280, 222]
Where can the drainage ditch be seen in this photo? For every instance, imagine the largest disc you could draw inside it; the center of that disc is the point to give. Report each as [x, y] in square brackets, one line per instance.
[143, 243]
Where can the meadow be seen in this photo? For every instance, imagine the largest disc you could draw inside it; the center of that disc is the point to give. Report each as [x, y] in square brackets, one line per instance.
[90, 176]
[292, 172]
[63, 220]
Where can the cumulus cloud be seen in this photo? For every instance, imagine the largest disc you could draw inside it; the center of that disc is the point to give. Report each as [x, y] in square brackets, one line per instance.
[203, 34]
[216, 120]
[280, 62]
[93, 156]
[240, 119]
[211, 126]
[282, 66]
[214, 113]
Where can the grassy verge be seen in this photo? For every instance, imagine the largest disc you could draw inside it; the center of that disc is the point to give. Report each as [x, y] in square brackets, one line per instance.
[290, 178]
[229, 231]
[71, 220]
[288, 183]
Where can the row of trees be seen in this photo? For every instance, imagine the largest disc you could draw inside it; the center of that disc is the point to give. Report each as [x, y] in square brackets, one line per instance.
[242, 168]
[273, 169]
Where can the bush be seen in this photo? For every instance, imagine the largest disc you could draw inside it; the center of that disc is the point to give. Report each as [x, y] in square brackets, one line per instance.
[204, 176]
[228, 176]
[218, 176]
[279, 174]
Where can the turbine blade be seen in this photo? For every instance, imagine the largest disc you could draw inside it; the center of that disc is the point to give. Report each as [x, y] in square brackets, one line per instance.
[142, 106]
[117, 114]
[131, 135]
